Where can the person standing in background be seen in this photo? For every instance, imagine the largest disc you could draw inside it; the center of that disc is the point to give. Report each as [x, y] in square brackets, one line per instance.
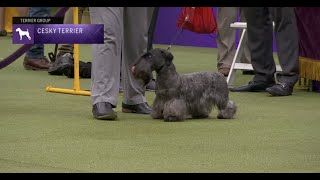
[226, 39]
[23, 11]
[260, 38]
[35, 58]
[3, 32]
[68, 19]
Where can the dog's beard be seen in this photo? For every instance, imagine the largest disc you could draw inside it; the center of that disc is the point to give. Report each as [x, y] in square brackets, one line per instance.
[146, 78]
[144, 81]
[142, 76]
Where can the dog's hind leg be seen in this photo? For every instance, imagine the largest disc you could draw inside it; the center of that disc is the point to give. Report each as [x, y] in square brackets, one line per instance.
[175, 110]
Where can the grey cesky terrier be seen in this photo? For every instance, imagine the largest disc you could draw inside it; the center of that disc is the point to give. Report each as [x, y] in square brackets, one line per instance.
[179, 97]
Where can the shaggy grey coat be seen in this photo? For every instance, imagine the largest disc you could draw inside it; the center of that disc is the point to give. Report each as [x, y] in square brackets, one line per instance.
[184, 96]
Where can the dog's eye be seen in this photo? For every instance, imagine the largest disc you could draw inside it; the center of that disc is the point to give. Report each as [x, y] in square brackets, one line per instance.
[147, 55]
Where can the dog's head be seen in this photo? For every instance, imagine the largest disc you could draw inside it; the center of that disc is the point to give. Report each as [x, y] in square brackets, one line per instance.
[18, 29]
[153, 60]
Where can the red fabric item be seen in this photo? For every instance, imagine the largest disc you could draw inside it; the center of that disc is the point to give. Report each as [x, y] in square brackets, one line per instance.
[199, 19]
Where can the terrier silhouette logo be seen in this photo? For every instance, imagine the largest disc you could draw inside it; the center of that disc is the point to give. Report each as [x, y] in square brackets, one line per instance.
[23, 33]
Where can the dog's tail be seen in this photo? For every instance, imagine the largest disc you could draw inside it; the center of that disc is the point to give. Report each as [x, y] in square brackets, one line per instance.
[229, 111]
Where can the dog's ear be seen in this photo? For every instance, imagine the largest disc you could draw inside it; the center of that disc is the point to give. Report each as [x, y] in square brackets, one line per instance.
[167, 55]
[146, 55]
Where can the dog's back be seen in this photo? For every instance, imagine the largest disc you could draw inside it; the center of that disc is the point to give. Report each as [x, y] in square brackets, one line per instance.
[201, 82]
[206, 89]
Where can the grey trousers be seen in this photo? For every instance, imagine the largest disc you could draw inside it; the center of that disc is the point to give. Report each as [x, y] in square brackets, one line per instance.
[125, 39]
[260, 39]
[226, 37]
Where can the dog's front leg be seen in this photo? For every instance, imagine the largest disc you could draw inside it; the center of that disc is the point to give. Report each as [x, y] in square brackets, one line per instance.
[175, 110]
[157, 109]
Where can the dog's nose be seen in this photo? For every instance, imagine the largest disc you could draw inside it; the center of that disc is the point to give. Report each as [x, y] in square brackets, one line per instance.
[132, 69]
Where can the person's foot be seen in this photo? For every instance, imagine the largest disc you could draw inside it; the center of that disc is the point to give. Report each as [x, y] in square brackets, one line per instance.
[3, 33]
[142, 108]
[280, 89]
[252, 86]
[103, 111]
[224, 71]
[151, 86]
[248, 72]
[61, 64]
[41, 64]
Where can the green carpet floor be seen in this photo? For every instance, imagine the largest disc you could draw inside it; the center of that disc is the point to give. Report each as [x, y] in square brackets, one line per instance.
[51, 132]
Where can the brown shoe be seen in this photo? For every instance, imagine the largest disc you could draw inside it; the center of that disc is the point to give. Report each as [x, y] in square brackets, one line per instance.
[224, 71]
[42, 64]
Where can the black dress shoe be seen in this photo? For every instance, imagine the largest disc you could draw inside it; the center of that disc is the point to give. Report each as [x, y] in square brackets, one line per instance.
[103, 111]
[61, 64]
[84, 70]
[142, 108]
[252, 86]
[248, 72]
[280, 89]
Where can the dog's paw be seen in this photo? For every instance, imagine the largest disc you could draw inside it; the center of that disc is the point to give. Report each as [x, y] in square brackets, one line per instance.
[225, 116]
[156, 115]
[172, 119]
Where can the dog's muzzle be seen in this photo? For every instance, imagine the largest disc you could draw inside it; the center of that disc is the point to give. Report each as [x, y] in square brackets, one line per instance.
[144, 76]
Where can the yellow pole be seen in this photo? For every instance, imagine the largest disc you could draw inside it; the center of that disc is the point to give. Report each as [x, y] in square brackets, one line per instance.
[68, 91]
[76, 82]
